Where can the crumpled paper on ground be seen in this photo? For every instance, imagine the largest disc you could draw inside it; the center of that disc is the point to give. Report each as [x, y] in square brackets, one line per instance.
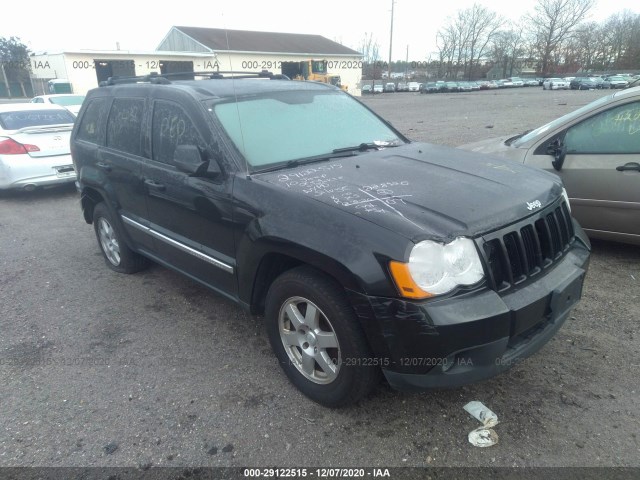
[483, 436]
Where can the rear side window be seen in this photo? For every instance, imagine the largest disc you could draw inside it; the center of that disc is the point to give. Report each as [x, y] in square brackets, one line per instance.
[125, 125]
[171, 127]
[92, 121]
[34, 118]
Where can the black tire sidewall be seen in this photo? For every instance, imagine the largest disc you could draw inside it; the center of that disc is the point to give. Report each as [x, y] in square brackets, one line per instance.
[353, 348]
[130, 262]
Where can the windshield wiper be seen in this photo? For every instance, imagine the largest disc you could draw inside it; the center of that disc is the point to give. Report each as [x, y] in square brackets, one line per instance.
[363, 147]
[303, 161]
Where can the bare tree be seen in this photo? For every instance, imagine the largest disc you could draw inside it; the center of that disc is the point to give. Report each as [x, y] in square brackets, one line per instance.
[465, 38]
[553, 23]
[481, 26]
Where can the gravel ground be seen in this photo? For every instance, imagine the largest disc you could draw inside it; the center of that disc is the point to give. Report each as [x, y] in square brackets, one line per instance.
[102, 369]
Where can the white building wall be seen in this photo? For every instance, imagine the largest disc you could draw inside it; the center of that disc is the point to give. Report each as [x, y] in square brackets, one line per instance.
[79, 67]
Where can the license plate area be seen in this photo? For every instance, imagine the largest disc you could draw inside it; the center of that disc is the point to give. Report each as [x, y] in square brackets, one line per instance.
[565, 296]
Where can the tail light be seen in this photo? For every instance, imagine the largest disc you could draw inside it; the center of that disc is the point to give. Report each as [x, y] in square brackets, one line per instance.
[9, 146]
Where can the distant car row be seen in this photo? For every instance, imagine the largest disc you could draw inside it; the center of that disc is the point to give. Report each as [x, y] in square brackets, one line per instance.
[555, 83]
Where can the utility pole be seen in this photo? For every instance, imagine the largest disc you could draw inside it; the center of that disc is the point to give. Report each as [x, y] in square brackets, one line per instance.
[391, 38]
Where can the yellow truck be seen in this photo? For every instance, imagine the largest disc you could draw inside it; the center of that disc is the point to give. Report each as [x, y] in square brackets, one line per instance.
[315, 70]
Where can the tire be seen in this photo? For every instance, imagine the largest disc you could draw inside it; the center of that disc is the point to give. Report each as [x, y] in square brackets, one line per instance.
[117, 255]
[337, 374]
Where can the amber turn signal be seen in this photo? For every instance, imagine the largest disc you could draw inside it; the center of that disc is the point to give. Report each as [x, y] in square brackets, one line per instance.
[406, 286]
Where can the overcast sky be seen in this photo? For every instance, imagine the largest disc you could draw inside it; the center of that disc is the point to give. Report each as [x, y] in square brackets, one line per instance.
[89, 24]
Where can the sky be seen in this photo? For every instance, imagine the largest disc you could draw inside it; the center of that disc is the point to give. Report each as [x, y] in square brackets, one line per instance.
[140, 26]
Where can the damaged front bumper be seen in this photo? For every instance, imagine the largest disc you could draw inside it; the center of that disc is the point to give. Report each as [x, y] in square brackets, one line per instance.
[470, 337]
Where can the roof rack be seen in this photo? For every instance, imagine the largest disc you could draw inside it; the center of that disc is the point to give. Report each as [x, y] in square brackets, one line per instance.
[164, 78]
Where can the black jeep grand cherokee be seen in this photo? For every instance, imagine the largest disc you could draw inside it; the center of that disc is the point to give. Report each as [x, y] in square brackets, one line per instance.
[364, 251]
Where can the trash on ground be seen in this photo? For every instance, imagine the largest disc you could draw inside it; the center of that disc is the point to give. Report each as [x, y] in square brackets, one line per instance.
[483, 436]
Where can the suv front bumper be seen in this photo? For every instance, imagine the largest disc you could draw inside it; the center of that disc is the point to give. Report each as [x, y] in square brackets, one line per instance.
[469, 337]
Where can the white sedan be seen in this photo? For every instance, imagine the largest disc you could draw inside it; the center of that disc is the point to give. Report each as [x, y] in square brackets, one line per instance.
[555, 84]
[69, 101]
[34, 146]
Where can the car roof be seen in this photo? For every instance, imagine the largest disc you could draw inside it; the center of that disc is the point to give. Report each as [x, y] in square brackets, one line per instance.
[17, 107]
[228, 87]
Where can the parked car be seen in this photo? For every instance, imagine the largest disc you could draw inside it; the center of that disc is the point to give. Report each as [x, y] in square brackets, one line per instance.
[413, 86]
[389, 87]
[70, 101]
[516, 82]
[555, 84]
[585, 83]
[464, 87]
[504, 83]
[615, 81]
[354, 265]
[378, 88]
[34, 146]
[429, 87]
[367, 89]
[596, 151]
[451, 87]
[531, 82]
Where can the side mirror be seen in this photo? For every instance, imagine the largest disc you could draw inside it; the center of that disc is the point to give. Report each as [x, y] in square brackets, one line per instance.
[188, 159]
[559, 151]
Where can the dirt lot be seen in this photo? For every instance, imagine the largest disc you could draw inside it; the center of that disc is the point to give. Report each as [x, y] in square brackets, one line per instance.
[101, 369]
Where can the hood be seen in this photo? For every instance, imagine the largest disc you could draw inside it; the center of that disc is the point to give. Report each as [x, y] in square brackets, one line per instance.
[424, 191]
[497, 146]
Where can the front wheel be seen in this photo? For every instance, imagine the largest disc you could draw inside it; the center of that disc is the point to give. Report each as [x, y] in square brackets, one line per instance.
[317, 339]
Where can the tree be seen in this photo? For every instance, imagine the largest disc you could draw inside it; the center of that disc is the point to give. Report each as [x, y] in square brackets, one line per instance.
[465, 38]
[553, 23]
[14, 56]
[370, 49]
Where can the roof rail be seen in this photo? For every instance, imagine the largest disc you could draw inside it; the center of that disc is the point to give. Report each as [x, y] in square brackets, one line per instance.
[164, 78]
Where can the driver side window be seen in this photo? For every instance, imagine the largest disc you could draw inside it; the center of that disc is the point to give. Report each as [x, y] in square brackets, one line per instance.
[614, 131]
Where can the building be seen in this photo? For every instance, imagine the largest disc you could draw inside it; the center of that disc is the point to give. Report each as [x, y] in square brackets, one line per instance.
[277, 52]
[194, 49]
[84, 69]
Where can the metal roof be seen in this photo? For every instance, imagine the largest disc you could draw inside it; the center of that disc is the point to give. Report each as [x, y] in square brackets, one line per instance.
[219, 39]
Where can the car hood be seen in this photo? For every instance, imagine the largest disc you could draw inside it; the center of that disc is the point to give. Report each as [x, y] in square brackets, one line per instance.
[424, 191]
[497, 146]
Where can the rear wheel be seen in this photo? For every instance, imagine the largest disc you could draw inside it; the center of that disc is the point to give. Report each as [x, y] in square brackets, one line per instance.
[317, 340]
[118, 256]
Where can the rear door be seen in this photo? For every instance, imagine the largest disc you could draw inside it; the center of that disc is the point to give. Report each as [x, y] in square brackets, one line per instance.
[120, 161]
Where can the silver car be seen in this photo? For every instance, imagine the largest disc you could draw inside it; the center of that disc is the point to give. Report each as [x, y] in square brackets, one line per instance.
[555, 84]
[596, 151]
[34, 146]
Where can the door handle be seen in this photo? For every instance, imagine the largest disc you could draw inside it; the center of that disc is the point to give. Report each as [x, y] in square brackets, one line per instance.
[104, 166]
[154, 185]
[628, 166]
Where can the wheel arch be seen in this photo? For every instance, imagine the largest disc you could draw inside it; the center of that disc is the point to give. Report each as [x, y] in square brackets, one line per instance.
[273, 263]
[89, 198]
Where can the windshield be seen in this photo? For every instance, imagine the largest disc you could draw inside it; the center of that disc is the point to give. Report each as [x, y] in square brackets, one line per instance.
[285, 126]
[559, 121]
[68, 100]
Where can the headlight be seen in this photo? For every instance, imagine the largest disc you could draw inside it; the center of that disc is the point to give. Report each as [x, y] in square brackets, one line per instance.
[566, 198]
[435, 268]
